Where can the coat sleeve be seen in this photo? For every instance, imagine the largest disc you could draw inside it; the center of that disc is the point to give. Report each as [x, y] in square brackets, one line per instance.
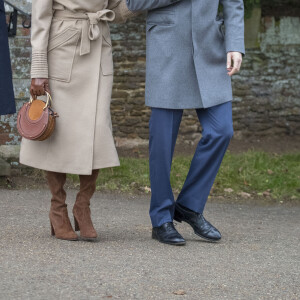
[139, 5]
[121, 11]
[234, 25]
[41, 19]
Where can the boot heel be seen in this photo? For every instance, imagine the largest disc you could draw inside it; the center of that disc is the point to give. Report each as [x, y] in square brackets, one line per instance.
[52, 229]
[76, 225]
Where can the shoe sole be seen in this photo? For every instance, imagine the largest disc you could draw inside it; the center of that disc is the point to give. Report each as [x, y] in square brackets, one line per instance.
[173, 244]
[71, 240]
[86, 239]
[203, 237]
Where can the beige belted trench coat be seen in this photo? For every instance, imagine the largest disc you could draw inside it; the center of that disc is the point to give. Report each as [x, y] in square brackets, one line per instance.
[71, 46]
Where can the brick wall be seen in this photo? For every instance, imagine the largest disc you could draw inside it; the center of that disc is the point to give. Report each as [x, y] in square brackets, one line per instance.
[266, 90]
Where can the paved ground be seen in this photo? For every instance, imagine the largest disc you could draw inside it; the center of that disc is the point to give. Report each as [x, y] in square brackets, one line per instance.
[258, 257]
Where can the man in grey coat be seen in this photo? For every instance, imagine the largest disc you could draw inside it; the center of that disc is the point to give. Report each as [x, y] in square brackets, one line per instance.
[192, 51]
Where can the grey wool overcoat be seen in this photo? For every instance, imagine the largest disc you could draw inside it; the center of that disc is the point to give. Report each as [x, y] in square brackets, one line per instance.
[187, 45]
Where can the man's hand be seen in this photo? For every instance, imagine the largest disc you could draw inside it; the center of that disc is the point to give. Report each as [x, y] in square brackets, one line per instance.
[234, 62]
[39, 86]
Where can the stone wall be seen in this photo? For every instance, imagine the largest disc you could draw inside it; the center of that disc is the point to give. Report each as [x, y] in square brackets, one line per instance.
[266, 101]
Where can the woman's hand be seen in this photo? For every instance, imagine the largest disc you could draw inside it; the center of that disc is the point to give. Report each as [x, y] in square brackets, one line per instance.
[39, 86]
[234, 62]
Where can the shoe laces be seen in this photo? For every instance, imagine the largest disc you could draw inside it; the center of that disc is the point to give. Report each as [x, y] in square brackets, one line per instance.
[170, 226]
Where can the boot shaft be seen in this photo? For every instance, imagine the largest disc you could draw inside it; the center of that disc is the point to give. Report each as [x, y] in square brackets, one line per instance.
[56, 182]
[81, 209]
[87, 189]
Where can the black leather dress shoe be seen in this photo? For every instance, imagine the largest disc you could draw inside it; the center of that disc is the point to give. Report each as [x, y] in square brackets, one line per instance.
[167, 234]
[201, 227]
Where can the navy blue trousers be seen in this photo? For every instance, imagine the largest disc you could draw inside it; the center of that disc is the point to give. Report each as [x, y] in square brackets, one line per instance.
[164, 125]
[7, 99]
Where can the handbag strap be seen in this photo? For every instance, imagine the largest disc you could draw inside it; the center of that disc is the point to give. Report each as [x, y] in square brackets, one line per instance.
[48, 102]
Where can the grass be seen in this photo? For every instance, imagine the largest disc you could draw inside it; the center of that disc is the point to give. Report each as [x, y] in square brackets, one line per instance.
[254, 173]
[261, 173]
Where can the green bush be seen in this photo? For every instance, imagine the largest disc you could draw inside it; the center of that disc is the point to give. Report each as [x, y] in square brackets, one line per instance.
[283, 7]
[249, 5]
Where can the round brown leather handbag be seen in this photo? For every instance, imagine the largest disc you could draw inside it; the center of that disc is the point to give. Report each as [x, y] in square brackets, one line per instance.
[36, 119]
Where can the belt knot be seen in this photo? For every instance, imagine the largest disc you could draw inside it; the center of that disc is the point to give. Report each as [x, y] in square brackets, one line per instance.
[92, 25]
[94, 18]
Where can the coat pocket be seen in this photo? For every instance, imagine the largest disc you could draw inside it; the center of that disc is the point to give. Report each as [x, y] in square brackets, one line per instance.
[61, 54]
[149, 27]
[107, 66]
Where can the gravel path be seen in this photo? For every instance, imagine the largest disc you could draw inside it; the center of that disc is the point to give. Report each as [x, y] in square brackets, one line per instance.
[258, 258]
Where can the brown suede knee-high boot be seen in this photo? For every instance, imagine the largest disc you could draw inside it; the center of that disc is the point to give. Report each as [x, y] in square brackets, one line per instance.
[81, 209]
[60, 223]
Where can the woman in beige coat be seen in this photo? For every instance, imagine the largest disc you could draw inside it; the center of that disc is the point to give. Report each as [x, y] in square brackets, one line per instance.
[72, 60]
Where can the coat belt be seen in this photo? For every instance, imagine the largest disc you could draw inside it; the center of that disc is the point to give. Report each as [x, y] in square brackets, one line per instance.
[92, 25]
